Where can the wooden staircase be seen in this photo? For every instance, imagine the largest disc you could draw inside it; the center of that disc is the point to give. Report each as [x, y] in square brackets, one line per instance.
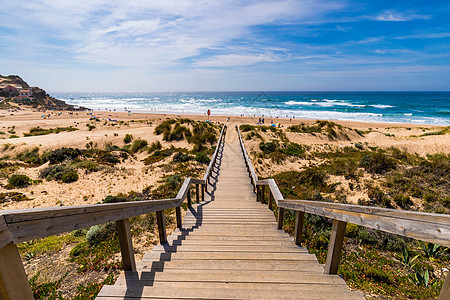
[229, 248]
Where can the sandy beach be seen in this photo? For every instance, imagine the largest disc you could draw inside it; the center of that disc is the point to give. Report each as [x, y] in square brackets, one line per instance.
[134, 175]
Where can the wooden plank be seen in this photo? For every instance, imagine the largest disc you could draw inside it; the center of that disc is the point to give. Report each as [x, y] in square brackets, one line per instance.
[231, 256]
[259, 291]
[299, 217]
[13, 280]
[280, 218]
[185, 187]
[245, 276]
[230, 248]
[28, 230]
[178, 216]
[387, 212]
[161, 226]
[25, 215]
[261, 265]
[270, 204]
[417, 229]
[126, 245]
[5, 236]
[335, 247]
[197, 193]
[275, 191]
[203, 192]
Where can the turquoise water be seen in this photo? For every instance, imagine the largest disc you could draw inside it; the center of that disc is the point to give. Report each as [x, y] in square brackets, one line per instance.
[405, 107]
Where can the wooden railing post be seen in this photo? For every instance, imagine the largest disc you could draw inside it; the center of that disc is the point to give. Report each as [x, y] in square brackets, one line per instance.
[280, 217]
[263, 194]
[13, 280]
[189, 200]
[203, 192]
[299, 217]
[270, 199]
[126, 245]
[335, 247]
[445, 291]
[161, 227]
[178, 215]
[197, 193]
[258, 192]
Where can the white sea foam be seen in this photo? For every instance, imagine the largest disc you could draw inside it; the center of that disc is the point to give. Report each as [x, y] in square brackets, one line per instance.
[381, 106]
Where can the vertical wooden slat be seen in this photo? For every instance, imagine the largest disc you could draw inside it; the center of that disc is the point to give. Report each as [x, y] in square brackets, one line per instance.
[13, 280]
[335, 247]
[263, 194]
[203, 192]
[299, 217]
[126, 245]
[270, 199]
[258, 192]
[197, 193]
[445, 291]
[178, 215]
[280, 217]
[161, 227]
[189, 200]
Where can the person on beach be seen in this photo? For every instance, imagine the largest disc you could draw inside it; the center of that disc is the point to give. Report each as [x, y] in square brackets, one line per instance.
[209, 113]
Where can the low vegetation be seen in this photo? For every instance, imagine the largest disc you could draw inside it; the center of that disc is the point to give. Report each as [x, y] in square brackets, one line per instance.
[41, 131]
[373, 261]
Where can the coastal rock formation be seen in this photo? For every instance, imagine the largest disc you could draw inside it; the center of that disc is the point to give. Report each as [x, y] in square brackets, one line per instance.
[15, 93]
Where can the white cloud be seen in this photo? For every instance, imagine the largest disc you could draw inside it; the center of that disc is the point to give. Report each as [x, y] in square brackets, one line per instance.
[143, 33]
[393, 16]
[439, 35]
[233, 60]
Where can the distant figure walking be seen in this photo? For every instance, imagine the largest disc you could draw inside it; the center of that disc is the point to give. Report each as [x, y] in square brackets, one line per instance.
[209, 113]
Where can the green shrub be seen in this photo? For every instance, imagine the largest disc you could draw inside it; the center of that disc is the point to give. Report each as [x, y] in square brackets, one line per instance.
[378, 275]
[41, 131]
[173, 181]
[403, 201]
[246, 127]
[115, 199]
[128, 138]
[60, 172]
[365, 237]
[294, 149]
[62, 154]
[201, 157]
[87, 165]
[155, 146]
[30, 156]
[19, 181]
[268, 147]
[93, 234]
[377, 162]
[69, 177]
[181, 157]
[138, 145]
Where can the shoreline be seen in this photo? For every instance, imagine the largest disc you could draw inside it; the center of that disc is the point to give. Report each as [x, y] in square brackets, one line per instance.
[242, 119]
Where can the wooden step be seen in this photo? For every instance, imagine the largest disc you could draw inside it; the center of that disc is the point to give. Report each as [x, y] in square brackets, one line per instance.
[189, 290]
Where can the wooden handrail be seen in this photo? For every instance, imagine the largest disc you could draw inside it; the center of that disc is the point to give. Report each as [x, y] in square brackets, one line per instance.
[209, 170]
[429, 227]
[17, 226]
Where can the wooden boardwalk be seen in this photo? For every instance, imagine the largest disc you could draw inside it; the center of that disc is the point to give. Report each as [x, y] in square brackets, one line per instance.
[229, 248]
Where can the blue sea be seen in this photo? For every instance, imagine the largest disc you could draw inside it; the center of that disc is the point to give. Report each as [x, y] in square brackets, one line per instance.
[404, 107]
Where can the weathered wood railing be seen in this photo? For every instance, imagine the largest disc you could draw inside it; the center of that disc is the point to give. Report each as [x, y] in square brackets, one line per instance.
[433, 228]
[17, 226]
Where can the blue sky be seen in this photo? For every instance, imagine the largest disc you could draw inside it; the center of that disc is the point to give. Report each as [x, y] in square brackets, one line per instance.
[208, 45]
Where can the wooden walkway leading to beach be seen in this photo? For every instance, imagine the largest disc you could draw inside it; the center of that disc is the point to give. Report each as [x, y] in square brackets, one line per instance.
[229, 248]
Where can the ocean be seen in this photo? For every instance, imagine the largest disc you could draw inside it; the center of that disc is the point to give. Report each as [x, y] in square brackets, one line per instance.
[404, 107]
